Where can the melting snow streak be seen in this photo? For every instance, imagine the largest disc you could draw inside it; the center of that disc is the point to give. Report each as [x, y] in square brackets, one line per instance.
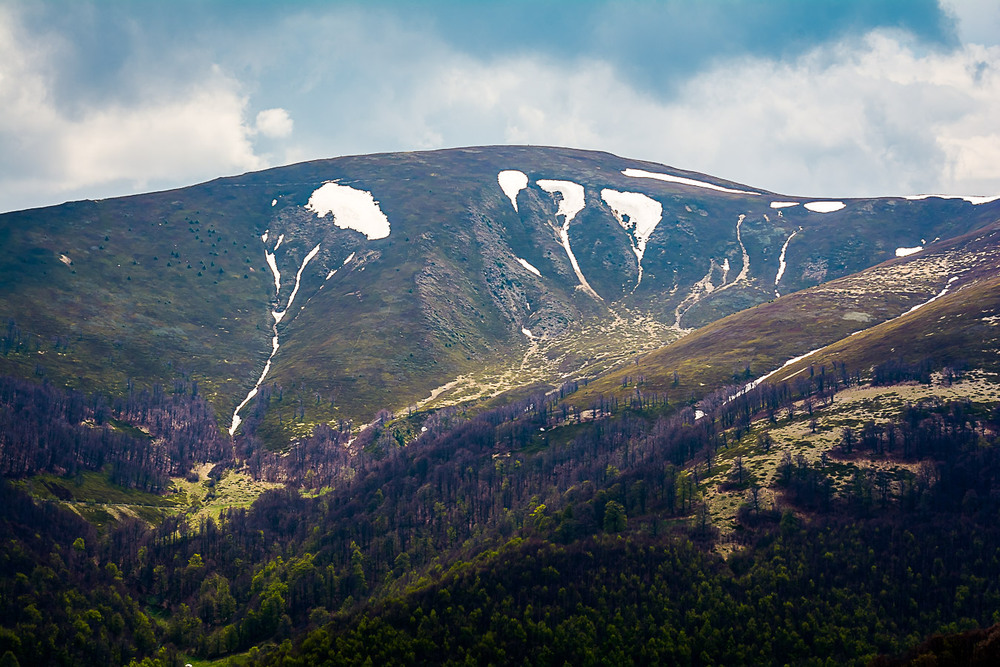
[637, 214]
[528, 266]
[745, 271]
[274, 329]
[511, 182]
[933, 298]
[571, 203]
[751, 385]
[781, 259]
[639, 173]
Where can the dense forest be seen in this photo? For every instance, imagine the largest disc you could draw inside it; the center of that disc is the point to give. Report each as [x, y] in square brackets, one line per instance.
[528, 532]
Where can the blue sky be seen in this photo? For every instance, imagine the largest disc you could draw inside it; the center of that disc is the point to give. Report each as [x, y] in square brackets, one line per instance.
[820, 98]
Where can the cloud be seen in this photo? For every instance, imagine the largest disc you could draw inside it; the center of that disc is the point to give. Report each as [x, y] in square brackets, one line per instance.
[845, 110]
[274, 123]
[876, 115]
[881, 112]
[977, 21]
[49, 150]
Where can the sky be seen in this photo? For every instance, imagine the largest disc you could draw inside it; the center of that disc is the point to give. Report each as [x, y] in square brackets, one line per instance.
[826, 98]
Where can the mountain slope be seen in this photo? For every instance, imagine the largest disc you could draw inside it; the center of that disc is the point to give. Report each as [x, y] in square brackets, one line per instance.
[938, 303]
[467, 285]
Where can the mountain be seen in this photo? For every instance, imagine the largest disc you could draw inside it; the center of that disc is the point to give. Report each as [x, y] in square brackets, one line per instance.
[448, 275]
[939, 304]
[498, 405]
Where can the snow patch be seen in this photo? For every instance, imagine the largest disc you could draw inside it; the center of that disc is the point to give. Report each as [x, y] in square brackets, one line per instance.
[637, 214]
[783, 204]
[511, 182]
[263, 237]
[528, 266]
[274, 202]
[781, 259]
[972, 200]
[824, 206]
[280, 241]
[271, 262]
[903, 252]
[571, 203]
[526, 332]
[237, 420]
[640, 173]
[351, 209]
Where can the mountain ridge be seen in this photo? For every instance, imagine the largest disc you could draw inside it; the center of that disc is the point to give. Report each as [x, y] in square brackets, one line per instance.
[461, 280]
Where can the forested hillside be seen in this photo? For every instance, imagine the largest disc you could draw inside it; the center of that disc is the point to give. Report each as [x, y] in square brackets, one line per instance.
[530, 531]
[498, 405]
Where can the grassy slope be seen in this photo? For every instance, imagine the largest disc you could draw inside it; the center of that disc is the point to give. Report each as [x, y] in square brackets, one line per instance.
[119, 309]
[764, 337]
[442, 296]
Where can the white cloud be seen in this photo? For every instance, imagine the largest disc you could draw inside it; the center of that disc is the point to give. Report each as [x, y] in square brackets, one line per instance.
[872, 116]
[51, 152]
[275, 123]
[878, 114]
[978, 21]
[156, 141]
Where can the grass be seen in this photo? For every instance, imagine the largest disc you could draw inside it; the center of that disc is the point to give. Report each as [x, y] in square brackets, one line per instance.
[173, 286]
[100, 501]
[851, 407]
[209, 498]
[951, 330]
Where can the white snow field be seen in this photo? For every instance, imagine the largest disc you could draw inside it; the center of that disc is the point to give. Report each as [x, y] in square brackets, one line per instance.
[511, 182]
[528, 266]
[351, 209]
[572, 196]
[972, 200]
[571, 202]
[640, 173]
[783, 204]
[781, 260]
[824, 206]
[637, 213]
[278, 316]
[903, 252]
